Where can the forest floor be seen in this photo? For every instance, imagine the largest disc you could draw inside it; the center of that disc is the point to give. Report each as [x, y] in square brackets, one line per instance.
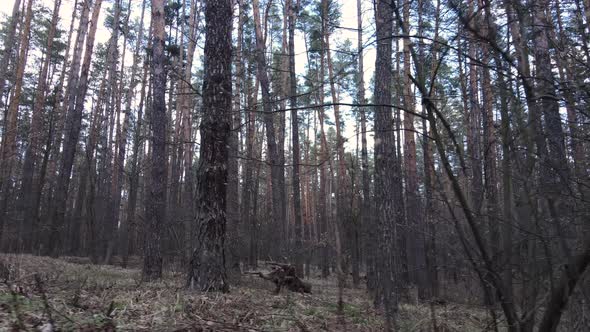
[46, 294]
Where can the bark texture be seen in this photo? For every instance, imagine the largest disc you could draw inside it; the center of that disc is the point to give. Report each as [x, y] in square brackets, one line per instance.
[207, 267]
[156, 198]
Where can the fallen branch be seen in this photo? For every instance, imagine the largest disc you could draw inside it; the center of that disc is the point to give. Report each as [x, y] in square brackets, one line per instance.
[284, 275]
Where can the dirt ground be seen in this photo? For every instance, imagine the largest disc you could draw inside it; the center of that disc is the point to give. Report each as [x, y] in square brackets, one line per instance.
[45, 294]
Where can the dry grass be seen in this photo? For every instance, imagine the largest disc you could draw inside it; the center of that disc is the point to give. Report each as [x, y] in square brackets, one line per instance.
[83, 297]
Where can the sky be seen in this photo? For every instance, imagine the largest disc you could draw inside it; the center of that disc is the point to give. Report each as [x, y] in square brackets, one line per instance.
[348, 22]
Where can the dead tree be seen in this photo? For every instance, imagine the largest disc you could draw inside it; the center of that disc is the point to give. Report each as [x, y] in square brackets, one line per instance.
[284, 275]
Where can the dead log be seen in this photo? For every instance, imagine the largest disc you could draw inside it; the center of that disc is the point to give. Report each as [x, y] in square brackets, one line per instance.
[284, 275]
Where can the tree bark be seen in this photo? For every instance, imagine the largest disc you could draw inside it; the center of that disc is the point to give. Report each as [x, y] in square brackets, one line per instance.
[384, 161]
[156, 200]
[207, 271]
[490, 154]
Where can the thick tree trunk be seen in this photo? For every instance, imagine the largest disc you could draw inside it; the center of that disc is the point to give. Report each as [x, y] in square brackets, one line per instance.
[207, 271]
[384, 161]
[156, 200]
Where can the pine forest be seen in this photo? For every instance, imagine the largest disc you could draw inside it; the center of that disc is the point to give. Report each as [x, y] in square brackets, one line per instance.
[295, 165]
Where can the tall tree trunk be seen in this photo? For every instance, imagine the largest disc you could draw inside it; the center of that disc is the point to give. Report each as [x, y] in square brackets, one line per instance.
[88, 175]
[490, 153]
[309, 179]
[548, 102]
[207, 271]
[248, 192]
[577, 143]
[342, 204]
[174, 134]
[54, 134]
[8, 45]
[104, 229]
[517, 19]
[324, 159]
[429, 177]
[128, 227]
[9, 144]
[121, 141]
[473, 118]
[156, 200]
[184, 124]
[73, 125]
[384, 161]
[554, 173]
[28, 186]
[233, 202]
[368, 228]
[278, 209]
[413, 229]
[293, 10]
[507, 182]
